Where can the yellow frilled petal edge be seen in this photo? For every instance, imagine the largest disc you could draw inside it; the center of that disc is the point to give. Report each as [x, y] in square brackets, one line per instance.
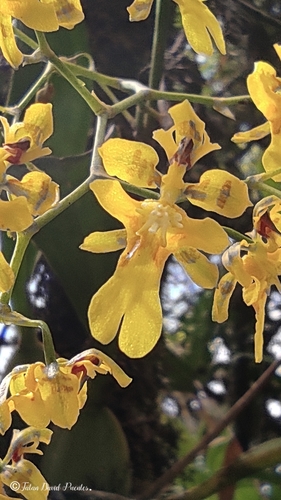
[263, 85]
[139, 10]
[138, 305]
[203, 272]
[7, 276]
[254, 134]
[15, 215]
[40, 191]
[222, 297]
[220, 192]
[200, 25]
[26, 473]
[107, 365]
[130, 161]
[105, 241]
[271, 156]
[7, 41]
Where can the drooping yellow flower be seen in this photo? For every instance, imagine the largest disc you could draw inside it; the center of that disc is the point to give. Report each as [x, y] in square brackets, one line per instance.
[24, 140]
[199, 24]
[256, 270]
[264, 88]
[19, 474]
[54, 393]
[44, 15]
[35, 193]
[155, 229]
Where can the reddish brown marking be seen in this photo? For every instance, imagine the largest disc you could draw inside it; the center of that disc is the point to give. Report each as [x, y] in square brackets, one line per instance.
[224, 194]
[265, 226]
[16, 456]
[76, 370]
[16, 149]
[182, 155]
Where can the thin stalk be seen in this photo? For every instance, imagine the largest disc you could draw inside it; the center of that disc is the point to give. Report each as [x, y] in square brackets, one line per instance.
[9, 317]
[163, 19]
[38, 84]
[93, 102]
[247, 464]
[95, 166]
[235, 235]
[48, 216]
[265, 188]
[22, 241]
[232, 413]
[25, 39]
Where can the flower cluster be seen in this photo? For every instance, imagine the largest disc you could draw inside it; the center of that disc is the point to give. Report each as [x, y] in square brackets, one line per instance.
[53, 393]
[155, 229]
[199, 24]
[46, 15]
[20, 474]
[256, 265]
[35, 193]
[264, 89]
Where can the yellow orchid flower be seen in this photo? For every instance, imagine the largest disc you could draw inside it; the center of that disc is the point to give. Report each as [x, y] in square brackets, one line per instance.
[264, 89]
[153, 231]
[156, 229]
[23, 141]
[35, 193]
[19, 474]
[267, 221]
[54, 393]
[199, 24]
[257, 270]
[46, 15]
[186, 142]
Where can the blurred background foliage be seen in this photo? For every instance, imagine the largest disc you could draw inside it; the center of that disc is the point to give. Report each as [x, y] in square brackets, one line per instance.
[126, 438]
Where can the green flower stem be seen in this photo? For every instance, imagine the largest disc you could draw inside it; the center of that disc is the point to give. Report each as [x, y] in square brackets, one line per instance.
[142, 192]
[132, 100]
[9, 317]
[130, 119]
[96, 164]
[21, 245]
[26, 39]
[163, 18]
[93, 102]
[48, 216]
[200, 99]
[235, 235]
[38, 84]
[153, 95]
[265, 188]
